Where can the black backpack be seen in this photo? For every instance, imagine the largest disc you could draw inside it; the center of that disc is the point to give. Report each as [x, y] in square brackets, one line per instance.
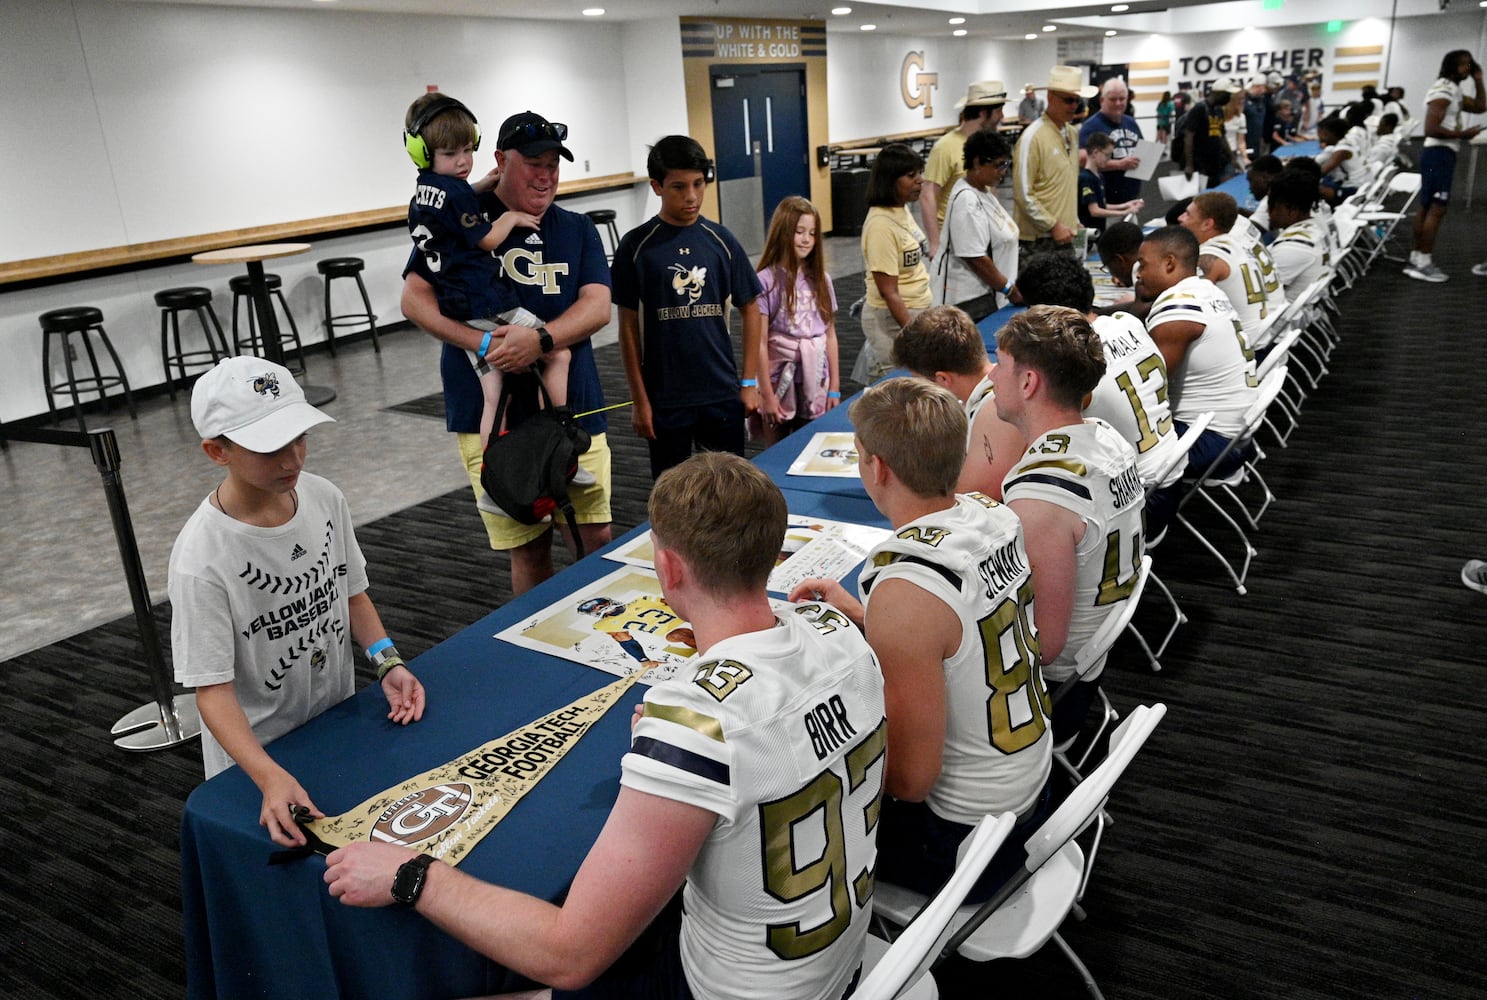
[526, 469]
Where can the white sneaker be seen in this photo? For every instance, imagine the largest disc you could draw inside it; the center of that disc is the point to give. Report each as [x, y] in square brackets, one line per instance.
[1429, 272]
[1481, 269]
[1474, 575]
[583, 477]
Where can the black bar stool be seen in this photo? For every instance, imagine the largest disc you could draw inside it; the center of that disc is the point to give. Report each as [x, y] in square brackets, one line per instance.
[242, 291]
[84, 322]
[198, 301]
[347, 267]
[604, 220]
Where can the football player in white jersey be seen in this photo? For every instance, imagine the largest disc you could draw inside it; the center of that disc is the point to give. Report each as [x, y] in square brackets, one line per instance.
[1118, 249]
[753, 786]
[947, 605]
[1241, 267]
[1132, 395]
[943, 345]
[1301, 248]
[1444, 132]
[1210, 364]
[1076, 492]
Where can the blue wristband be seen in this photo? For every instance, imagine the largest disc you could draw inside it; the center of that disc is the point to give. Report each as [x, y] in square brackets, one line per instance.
[1008, 289]
[833, 394]
[748, 383]
[380, 644]
[485, 343]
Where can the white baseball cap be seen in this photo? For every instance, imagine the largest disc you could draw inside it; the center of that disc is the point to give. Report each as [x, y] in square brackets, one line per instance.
[254, 403]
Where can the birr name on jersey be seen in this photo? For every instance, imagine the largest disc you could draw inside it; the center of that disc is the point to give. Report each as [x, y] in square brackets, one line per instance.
[1003, 569]
[690, 312]
[828, 727]
[526, 751]
[428, 195]
[297, 614]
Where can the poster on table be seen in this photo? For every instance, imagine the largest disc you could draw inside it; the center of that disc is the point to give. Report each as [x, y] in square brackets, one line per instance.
[619, 623]
[831, 453]
[813, 547]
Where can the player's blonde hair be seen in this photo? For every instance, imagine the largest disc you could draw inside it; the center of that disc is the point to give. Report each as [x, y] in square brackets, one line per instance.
[724, 516]
[917, 428]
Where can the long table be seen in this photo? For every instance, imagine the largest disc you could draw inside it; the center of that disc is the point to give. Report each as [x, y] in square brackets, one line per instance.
[273, 931]
[776, 460]
[1238, 185]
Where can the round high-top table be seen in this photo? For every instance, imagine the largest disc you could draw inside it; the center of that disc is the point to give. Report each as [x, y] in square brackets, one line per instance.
[254, 256]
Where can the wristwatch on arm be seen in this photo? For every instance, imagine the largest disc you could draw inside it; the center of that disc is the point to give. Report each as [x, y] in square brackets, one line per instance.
[544, 340]
[407, 884]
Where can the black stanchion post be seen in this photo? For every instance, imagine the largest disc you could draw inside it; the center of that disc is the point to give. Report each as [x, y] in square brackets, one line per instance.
[170, 719]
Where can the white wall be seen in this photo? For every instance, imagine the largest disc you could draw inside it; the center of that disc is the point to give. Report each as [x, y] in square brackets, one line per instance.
[656, 102]
[183, 120]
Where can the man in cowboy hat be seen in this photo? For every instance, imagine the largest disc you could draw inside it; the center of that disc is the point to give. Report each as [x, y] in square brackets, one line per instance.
[1046, 172]
[981, 108]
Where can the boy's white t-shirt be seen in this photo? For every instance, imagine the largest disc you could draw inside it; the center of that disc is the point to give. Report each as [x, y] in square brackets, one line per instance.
[266, 608]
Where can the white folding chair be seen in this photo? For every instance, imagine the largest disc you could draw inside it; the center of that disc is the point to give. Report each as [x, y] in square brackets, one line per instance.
[1028, 911]
[1319, 335]
[1207, 482]
[1092, 652]
[1185, 444]
[902, 968]
[1288, 405]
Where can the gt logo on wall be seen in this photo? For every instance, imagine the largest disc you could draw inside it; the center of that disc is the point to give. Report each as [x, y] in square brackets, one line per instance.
[916, 86]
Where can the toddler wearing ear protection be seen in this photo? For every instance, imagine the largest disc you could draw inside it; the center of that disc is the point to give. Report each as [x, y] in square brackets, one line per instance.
[457, 241]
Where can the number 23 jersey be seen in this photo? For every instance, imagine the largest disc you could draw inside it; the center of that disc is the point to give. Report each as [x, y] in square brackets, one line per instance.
[782, 734]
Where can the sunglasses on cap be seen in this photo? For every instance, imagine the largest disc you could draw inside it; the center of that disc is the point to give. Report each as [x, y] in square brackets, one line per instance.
[532, 131]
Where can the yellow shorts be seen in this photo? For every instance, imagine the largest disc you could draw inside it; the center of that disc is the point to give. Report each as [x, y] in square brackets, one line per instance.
[590, 503]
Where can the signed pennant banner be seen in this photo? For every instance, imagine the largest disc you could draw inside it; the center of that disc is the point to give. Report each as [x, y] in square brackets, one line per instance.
[447, 810]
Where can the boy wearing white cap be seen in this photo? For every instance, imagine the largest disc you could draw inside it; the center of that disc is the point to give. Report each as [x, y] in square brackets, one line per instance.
[268, 588]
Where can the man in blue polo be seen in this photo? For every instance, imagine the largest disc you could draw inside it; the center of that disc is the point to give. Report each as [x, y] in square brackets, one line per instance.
[560, 274]
[1124, 132]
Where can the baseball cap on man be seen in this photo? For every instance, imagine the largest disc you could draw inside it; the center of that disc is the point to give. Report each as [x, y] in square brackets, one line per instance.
[532, 135]
[254, 403]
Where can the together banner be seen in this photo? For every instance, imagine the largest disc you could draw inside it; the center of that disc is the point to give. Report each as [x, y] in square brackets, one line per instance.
[448, 809]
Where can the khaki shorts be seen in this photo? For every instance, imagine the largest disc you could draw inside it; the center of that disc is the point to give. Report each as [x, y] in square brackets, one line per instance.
[590, 503]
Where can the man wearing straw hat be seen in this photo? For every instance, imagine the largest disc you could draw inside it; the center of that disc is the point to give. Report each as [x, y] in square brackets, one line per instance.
[981, 108]
[1046, 173]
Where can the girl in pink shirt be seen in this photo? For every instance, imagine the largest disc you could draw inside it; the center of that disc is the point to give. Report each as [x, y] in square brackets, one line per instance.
[799, 306]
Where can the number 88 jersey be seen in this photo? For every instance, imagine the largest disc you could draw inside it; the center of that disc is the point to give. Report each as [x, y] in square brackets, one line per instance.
[998, 745]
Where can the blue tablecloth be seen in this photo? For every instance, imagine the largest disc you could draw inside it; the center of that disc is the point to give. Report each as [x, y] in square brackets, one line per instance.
[273, 931]
[1238, 185]
[776, 459]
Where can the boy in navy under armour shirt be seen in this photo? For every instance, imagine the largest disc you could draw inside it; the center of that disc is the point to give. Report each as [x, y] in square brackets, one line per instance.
[683, 270]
